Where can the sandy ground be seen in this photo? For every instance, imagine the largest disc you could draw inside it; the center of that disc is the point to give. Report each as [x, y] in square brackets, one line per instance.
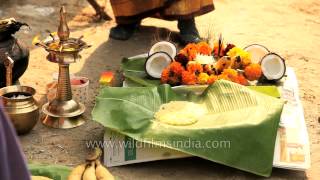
[288, 27]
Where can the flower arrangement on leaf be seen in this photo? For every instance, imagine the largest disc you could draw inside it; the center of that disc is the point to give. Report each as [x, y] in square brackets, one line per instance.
[195, 64]
[200, 63]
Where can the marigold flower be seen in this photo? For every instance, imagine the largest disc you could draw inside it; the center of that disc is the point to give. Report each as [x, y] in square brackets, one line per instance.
[224, 77]
[191, 47]
[191, 50]
[245, 56]
[174, 80]
[253, 72]
[242, 80]
[203, 78]
[212, 79]
[165, 75]
[176, 68]
[204, 48]
[188, 78]
[195, 68]
[232, 74]
[172, 74]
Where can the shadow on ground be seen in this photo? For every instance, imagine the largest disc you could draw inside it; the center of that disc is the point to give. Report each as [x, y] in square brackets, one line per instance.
[108, 56]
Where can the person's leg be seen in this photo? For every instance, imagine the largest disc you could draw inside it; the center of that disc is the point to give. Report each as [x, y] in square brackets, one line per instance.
[123, 31]
[188, 31]
[101, 15]
[184, 11]
[129, 13]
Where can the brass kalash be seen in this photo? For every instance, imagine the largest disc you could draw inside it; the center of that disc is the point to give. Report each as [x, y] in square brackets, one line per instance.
[63, 112]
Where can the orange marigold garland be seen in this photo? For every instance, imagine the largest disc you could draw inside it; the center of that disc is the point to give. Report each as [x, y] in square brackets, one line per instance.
[230, 61]
[188, 78]
[204, 48]
[212, 79]
[191, 47]
[253, 72]
[242, 80]
[176, 68]
[174, 80]
[195, 68]
[172, 74]
[230, 73]
[165, 75]
[223, 77]
[191, 51]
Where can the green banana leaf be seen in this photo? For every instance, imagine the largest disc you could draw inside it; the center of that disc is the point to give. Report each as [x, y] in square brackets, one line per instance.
[56, 172]
[245, 119]
[134, 72]
[133, 64]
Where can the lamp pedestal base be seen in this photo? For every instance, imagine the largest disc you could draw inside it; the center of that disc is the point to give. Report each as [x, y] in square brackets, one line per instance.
[65, 121]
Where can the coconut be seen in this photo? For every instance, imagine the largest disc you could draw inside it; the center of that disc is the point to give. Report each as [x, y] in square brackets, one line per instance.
[164, 46]
[156, 63]
[257, 52]
[273, 67]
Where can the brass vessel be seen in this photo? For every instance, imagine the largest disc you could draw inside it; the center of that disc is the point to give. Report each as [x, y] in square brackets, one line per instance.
[23, 112]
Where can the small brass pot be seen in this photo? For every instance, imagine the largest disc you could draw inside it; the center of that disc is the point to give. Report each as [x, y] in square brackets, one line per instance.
[23, 111]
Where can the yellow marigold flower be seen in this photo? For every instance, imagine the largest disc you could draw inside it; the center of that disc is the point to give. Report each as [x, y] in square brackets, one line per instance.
[231, 73]
[212, 79]
[203, 78]
[244, 55]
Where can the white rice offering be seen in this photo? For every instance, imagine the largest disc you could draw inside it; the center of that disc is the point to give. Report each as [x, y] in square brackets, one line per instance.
[180, 113]
[19, 96]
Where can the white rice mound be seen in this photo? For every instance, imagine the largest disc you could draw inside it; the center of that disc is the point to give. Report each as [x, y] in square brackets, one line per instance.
[180, 113]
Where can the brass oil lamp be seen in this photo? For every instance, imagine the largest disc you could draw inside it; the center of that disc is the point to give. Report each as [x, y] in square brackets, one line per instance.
[63, 112]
